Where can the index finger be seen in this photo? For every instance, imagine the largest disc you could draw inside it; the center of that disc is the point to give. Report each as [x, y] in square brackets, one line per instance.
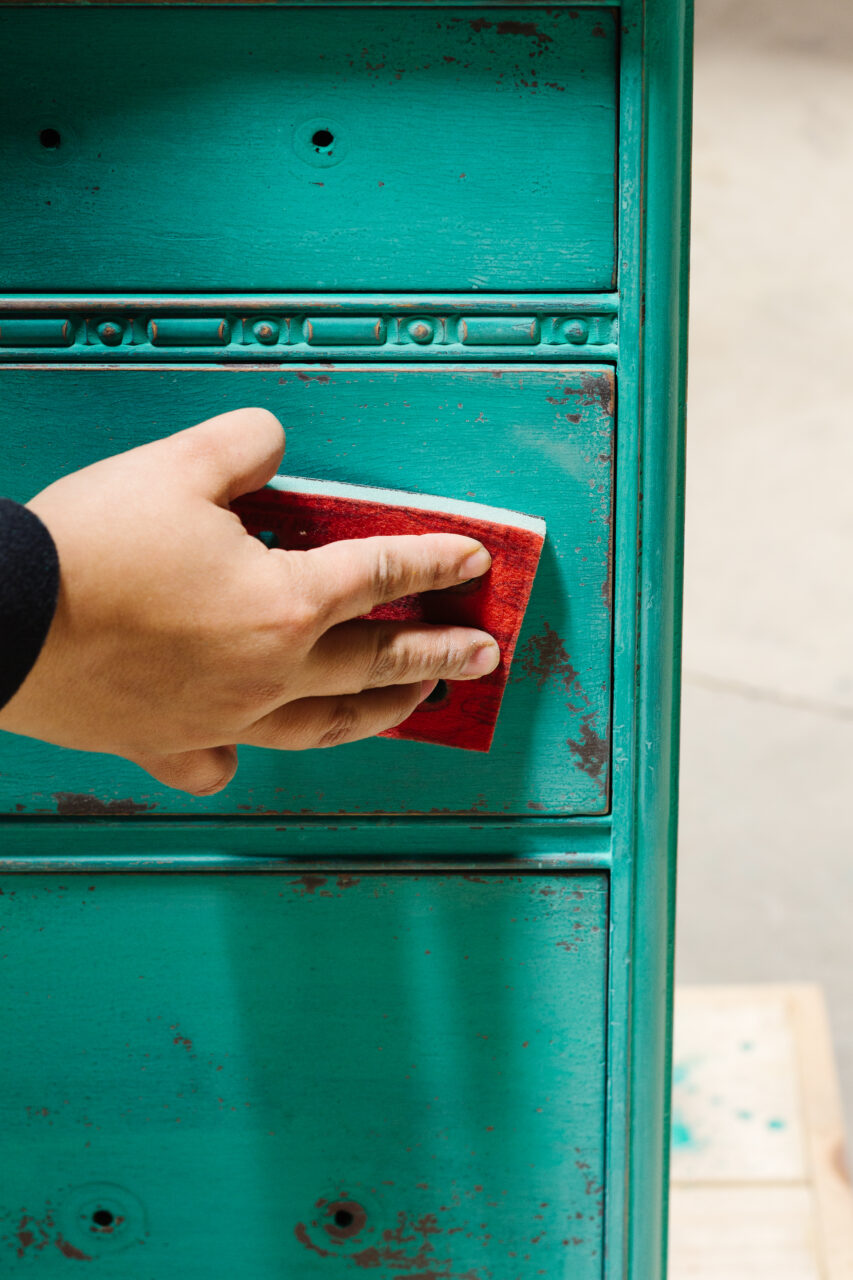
[351, 577]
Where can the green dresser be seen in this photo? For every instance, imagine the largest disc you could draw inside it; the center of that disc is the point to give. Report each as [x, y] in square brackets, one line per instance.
[396, 1009]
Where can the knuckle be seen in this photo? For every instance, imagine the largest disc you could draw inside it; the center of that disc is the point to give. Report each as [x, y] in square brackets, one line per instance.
[453, 659]
[437, 572]
[207, 776]
[386, 573]
[297, 612]
[341, 726]
[391, 661]
[217, 781]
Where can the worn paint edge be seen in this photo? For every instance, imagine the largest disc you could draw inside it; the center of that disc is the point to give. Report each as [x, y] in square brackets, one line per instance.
[193, 863]
[492, 304]
[29, 841]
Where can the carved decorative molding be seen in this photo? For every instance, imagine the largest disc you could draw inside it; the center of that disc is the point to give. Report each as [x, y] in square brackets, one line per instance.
[294, 327]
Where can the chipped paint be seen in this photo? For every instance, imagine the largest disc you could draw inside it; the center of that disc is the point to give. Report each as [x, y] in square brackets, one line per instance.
[309, 883]
[591, 749]
[69, 1250]
[409, 1248]
[544, 658]
[71, 804]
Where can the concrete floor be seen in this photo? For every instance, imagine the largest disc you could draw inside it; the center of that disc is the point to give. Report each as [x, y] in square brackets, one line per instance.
[766, 871]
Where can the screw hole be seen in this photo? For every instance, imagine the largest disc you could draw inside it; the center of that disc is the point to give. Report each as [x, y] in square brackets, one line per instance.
[103, 1218]
[343, 1218]
[322, 138]
[50, 139]
[268, 538]
[439, 693]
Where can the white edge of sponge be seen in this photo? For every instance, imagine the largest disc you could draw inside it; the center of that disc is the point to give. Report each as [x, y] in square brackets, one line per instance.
[405, 498]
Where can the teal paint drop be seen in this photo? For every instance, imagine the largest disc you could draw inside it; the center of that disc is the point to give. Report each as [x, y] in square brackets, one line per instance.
[681, 1136]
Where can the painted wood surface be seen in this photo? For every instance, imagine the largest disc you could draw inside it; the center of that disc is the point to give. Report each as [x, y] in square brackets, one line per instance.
[538, 440]
[322, 326]
[447, 136]
[760, 1183]
[537, 219]
[305, 1075]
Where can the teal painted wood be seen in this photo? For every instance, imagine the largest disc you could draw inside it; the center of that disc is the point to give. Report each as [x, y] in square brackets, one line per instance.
[633, 844]
[442, 125]
[266, 327]
[304, 1075]
[668, 66]
[542, 436]
[111, 840]
[654, 219]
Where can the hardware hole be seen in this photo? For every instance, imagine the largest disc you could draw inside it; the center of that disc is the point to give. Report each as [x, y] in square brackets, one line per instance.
[439, 693]
[268, 538]
[322, 138]
[102, 1218]
[50, 139]
[343, 1218]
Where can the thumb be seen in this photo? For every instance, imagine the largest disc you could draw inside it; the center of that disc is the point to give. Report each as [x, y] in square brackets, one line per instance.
[201, 773]
[231, 454]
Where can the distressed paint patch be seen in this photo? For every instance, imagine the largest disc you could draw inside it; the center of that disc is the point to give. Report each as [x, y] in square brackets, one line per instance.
[591, 749]
[70, 804]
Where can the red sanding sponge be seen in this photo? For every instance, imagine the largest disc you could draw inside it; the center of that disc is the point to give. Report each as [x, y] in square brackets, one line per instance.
[299, 514]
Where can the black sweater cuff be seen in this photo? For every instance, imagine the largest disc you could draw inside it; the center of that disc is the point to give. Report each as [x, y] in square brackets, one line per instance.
[29, 586]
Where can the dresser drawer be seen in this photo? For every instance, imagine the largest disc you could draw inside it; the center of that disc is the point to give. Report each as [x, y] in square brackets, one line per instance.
[304, 1075]
[179, 149]
[535, 439]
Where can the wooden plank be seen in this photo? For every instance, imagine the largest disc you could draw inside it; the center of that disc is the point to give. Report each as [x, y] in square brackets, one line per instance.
[824, 1129]
[551, 750]
[735, 1088]
[743, 1233]
[223, 1062]
[285, 123]
[760, 1185]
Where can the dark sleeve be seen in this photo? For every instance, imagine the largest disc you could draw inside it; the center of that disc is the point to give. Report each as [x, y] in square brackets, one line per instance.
[29, 586]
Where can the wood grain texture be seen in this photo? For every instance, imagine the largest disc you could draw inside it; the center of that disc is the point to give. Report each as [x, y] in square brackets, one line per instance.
[186, 157]
[534, 439]
[743, 1233]
[823, 1121]
[760, 1184]
[228, 1062]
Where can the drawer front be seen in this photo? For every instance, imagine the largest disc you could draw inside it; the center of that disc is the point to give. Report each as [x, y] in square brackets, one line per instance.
[538, 440]
[373, 148]
[312, 1076]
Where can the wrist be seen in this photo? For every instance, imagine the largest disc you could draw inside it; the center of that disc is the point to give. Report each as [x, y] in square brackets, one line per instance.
[29, 590]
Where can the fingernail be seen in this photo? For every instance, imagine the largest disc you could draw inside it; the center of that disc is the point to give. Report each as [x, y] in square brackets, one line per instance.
[427, 687]
[482, 660]
[474, 565]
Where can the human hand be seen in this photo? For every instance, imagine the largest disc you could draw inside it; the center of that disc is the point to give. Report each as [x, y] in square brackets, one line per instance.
[177, 636]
